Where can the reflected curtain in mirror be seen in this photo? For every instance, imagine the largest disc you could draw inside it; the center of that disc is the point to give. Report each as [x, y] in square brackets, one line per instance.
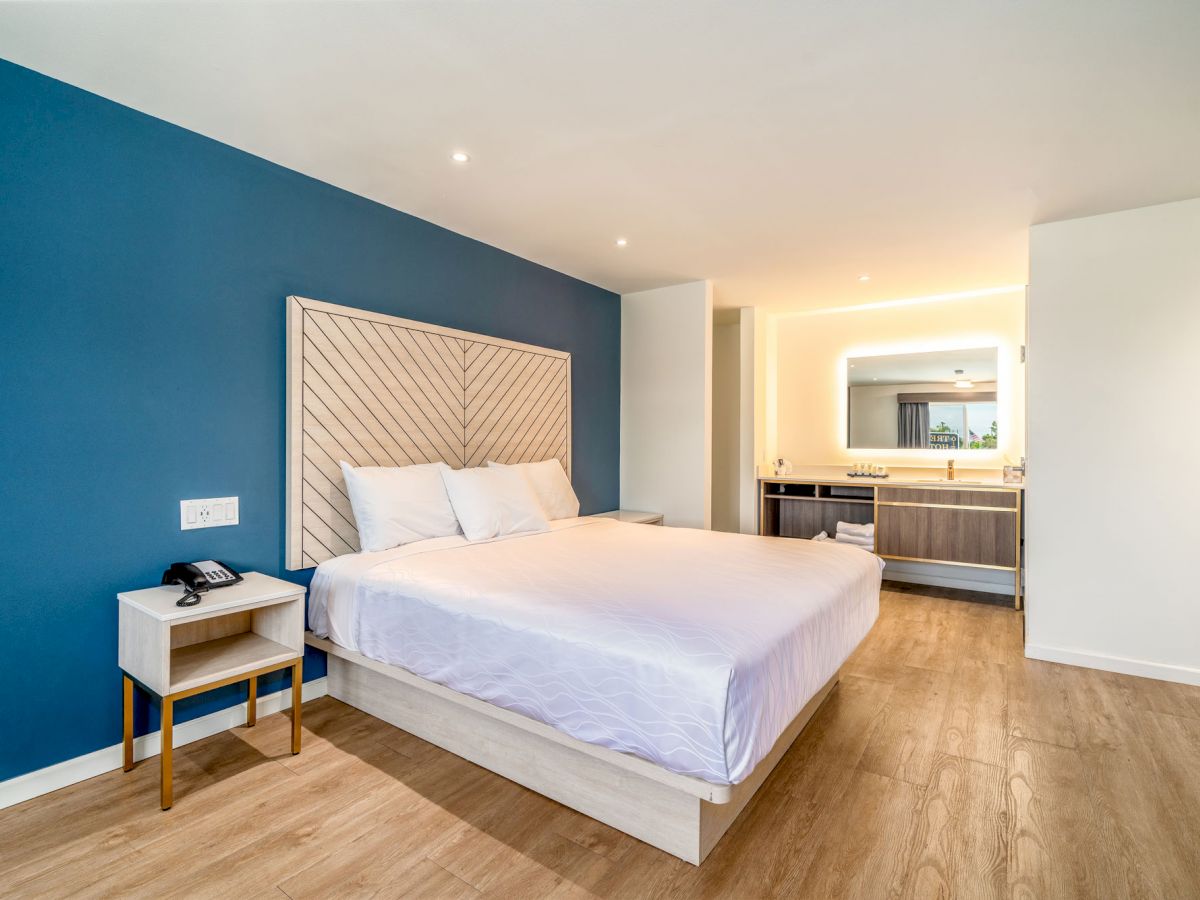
[912, 426]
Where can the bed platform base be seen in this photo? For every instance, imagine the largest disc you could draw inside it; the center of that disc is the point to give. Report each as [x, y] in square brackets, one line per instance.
[684, 816]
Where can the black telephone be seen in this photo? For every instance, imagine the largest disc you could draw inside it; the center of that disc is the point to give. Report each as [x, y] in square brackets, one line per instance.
[198, 577]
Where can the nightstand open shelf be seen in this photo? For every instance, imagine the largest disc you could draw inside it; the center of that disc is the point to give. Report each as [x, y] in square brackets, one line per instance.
[201, 664]
[234, 634]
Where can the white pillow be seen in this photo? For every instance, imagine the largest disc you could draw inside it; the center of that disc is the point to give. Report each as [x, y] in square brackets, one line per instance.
[551, 485]
[399, 504]
[491, 502]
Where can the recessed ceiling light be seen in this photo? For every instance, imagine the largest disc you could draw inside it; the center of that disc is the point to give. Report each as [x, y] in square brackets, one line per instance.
[621, 242]
[459, 157]
[864, 277]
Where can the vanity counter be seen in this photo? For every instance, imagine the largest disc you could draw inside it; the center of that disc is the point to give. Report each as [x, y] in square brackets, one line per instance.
[898, 477]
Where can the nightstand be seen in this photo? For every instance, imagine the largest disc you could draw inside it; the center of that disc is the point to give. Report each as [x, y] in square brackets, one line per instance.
[234, 634]
[632, 515]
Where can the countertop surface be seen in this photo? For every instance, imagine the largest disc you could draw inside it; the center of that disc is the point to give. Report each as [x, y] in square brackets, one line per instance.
[897, 477]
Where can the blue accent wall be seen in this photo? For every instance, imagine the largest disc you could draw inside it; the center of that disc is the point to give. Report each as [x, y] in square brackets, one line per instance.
[143, 271]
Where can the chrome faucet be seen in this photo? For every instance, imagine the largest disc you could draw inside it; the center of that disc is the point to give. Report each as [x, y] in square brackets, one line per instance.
[949, 470]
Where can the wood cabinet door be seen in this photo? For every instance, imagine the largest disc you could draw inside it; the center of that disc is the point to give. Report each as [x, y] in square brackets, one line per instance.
[976, 536]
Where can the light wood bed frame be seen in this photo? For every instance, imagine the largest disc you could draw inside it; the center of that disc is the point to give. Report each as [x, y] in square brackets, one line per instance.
[682, 815]
[374, 389]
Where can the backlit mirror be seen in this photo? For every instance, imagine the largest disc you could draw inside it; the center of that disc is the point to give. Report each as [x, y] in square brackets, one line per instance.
[942, 400]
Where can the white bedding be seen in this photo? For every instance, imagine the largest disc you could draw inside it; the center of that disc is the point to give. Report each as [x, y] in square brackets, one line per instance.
[692, 649]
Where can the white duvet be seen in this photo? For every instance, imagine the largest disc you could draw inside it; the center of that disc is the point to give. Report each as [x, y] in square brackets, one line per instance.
[692, 649]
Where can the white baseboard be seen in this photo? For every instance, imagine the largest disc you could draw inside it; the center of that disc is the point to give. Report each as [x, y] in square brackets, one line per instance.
[43, 781]
[1118, 664]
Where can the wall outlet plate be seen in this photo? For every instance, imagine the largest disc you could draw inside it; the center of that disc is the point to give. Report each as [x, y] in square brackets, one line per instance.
[211, 513]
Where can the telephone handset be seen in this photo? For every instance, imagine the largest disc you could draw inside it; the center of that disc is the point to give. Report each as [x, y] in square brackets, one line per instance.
[198, 577]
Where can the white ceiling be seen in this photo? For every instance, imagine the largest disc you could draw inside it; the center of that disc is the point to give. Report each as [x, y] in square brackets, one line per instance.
[779, 148]
[932, 367]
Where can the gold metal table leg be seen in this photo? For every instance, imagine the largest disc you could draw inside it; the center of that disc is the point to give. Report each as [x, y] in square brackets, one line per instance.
[297, 690]
[168, 715]
[127, 720]
[252, 707]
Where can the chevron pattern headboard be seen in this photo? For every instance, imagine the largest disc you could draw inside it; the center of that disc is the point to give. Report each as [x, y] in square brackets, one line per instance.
[377, 390]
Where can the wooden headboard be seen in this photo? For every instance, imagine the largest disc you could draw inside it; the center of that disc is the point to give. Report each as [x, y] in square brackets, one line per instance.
[377, 390]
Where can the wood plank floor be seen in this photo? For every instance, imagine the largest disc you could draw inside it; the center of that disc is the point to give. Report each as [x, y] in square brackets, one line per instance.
[943, 765]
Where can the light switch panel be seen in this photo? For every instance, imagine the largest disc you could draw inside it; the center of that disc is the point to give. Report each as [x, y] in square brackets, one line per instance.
[210, 513]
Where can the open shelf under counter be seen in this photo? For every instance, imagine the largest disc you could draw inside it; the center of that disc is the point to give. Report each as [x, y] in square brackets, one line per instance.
[788, 489]
[860, 493]
[870, 502]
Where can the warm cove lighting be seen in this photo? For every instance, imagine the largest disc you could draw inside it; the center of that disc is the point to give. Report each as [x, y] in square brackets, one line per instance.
[459, 157]
[909, 301]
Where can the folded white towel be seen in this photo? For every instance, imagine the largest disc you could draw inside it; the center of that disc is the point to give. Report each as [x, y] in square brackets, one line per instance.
[867, 530]
[823, 536]
[854, 536]
[869, 543]
[866, 548]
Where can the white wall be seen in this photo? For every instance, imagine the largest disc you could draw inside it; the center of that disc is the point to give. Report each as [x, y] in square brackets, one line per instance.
[751, 449]
[810, 390]
[737, 424]
[1112, 529]
[666, 402]
[726, 419]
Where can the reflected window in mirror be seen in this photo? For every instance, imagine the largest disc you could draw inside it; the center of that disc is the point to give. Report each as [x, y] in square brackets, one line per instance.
[963, 426]
[939, 400]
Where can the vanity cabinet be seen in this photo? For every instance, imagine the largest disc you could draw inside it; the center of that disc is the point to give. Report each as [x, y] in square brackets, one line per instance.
[947, 525]
[943, 523]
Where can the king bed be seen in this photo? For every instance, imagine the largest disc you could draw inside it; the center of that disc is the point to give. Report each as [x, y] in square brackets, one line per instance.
[648, 677]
